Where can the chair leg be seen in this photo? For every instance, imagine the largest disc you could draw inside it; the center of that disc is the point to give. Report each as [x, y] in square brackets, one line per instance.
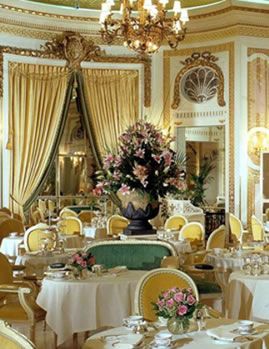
[75, 340]
[32, 333]
[55, 340]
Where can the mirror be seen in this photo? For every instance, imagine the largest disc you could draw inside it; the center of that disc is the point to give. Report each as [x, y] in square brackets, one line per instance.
[204, 150]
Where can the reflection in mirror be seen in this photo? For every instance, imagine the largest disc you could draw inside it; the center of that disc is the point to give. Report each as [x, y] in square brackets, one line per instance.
[204, 149]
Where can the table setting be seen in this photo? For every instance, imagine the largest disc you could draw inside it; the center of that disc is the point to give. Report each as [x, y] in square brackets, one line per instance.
[228, 334]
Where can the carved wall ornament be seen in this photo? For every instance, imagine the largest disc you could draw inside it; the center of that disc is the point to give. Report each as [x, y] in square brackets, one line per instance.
[200, 80]
[74, 48]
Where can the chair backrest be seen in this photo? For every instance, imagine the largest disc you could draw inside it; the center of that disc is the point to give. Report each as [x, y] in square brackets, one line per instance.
[116, 224]
[70, 226]
[10, 225]
[217, 238]
[12, 339]
[134, 254]
[176, 221]
[51, 206]
[18, 217]
[34, 236]
[42, 206]
[66, 212]
[35, 217]
[6, 276]
[192, 231]
[5, 210]
[153, 283]
[236, 227]
[86, 216]
[257, 228]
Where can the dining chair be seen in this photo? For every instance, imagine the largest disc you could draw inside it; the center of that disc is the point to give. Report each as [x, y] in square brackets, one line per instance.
[17, 299]
[70, 226]
[10, 225]
[42, 207]
[34, 237]
[217, 238]
[116, 224]
[175, 222]
[12, 339]
[5, 210]
[67, 212]
[194, 232]
[51, 207]
[257, 229]
[86, 216]
[153, 283]
[236, 228]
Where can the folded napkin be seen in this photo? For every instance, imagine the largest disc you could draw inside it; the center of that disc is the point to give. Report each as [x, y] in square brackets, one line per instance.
[222, 333]
[118, 269]
[128, 340]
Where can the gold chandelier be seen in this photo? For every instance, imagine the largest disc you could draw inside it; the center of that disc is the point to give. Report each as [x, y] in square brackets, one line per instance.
[144, 25]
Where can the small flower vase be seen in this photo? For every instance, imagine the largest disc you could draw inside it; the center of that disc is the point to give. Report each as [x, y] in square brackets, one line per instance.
[78, 274]
[179, 326]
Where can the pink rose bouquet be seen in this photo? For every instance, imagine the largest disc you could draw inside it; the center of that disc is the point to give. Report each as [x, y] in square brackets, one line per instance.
[83, 260]
[176, 303]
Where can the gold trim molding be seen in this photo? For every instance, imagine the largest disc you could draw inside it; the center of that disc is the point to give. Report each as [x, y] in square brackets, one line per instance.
[228, 47]
[74, 48]
[197, 59]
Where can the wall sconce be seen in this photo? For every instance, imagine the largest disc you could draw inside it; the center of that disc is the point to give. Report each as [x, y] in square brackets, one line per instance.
[258, 142]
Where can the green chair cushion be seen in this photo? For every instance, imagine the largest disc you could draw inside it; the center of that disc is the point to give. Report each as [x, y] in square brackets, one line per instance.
[206, 287]
[134, 257]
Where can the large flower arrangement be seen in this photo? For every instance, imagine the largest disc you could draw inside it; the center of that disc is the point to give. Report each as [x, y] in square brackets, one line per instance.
[144, 162]
[178, 304]
[83, 260]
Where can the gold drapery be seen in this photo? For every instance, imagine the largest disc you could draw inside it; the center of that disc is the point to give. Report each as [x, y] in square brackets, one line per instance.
[112, 97]
[35, 107]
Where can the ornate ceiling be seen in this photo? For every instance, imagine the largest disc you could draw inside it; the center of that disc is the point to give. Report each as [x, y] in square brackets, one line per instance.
[96, 4]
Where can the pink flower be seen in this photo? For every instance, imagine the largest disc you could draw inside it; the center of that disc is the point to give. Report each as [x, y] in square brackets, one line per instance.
[179, 297]
[83, 264]
[97, 192]
[108, 161]
[124, 189]
[182, 310]
[191, 300]
[167, 156]
[140, 153]
[117, 161]
[166, 294]
[160, 303]
[141, 172]
[170, 302]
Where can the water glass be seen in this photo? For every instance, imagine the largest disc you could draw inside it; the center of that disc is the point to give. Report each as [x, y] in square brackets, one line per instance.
[256, 269]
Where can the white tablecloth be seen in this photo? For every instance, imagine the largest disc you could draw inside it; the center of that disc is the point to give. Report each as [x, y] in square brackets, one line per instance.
[225, 261]
[248, 297]
[192, 340]
[79, 305]
[9, 245]
[37, 263]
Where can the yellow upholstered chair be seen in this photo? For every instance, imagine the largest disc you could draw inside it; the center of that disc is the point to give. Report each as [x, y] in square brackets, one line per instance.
[70, 226]
[12, 339]
[41, 205]
[236, 228]
[86, 216]
[35, 217]
[66, 212]
[18, 217]
[116, 224]
[257, 229]
[153, 283]
[10, 225]
[23, 307]
[51, 207]
[194, 232]
[175, 222]
[217, 238]
[34, 237]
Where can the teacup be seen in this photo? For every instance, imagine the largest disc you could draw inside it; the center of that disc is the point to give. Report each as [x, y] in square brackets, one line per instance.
[163, 339]
[133, 320]
[245, 326]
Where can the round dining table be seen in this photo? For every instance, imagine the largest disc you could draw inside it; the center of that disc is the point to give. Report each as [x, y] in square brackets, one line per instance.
[117, 337]
[74, 306]
[37, 262]
[248, 297]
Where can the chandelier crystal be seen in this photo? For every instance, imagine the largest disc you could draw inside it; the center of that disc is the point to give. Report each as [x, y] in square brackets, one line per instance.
[143, 24]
